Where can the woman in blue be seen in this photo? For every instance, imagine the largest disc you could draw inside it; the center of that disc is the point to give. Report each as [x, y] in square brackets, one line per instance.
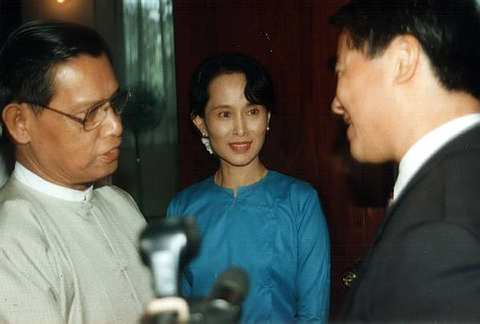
[268, 223]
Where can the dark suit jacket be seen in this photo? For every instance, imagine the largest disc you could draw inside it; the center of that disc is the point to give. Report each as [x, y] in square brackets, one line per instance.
[424, 264]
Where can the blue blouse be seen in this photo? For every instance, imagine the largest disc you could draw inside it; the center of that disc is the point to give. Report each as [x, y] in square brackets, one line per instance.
[274, 229]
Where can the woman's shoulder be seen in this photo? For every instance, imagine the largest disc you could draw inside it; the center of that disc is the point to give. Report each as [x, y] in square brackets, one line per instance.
[201, 187]
[198, 191]
[293, 194]
[284, 183]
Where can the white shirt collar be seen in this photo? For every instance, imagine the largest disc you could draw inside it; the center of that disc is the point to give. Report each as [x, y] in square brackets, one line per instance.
[33, 181]
[428, 145]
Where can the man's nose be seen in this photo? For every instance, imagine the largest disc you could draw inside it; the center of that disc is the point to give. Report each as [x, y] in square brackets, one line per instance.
[114, 123]
[336, 106]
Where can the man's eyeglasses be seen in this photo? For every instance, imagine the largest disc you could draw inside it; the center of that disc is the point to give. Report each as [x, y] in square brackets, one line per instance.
[96, 114]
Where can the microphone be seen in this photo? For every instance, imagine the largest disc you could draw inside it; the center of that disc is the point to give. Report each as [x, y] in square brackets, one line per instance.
[223, 304]
[166, 247]
[232, 286]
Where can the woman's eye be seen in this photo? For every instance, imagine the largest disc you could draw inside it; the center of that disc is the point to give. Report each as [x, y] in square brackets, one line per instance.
[253, 111]
[224, 114]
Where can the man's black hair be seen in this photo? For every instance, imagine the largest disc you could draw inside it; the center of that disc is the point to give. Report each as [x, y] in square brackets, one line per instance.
[448, 31]
[31, 53]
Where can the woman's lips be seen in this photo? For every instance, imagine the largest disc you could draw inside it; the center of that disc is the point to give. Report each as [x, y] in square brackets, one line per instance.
[240, 147]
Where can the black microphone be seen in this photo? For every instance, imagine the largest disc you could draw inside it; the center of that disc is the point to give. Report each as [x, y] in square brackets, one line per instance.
[166, 247]
[232, 286]
[223, 304]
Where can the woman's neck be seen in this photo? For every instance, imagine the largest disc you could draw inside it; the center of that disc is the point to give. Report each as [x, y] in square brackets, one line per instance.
[233, 177]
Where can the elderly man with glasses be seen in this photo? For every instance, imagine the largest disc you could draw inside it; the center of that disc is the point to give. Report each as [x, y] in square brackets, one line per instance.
[67, 247]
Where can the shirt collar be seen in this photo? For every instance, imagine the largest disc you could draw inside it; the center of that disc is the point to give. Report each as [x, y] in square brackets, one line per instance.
[33, 181]
[428, 145]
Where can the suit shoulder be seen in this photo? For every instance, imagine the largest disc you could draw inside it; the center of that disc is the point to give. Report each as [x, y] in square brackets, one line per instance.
[460, 170]
[447, 189]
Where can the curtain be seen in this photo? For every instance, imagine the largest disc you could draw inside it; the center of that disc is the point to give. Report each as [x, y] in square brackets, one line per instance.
[145, 60]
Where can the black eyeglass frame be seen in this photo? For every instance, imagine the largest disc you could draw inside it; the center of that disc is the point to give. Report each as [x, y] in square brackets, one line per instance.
[118, 109]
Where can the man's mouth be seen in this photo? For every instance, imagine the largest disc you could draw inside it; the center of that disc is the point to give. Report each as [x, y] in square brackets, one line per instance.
[112, 155]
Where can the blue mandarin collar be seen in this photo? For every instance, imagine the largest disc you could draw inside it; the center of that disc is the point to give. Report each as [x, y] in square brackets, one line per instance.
[243, 189]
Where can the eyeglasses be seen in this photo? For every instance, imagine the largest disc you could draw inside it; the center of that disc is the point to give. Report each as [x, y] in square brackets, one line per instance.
[96, 114]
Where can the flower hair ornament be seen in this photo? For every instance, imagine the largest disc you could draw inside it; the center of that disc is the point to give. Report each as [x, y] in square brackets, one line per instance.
[206, 142]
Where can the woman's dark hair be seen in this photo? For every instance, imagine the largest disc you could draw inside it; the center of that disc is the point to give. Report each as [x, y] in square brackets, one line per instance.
[446, 29]
[258, 90]
[31, 53]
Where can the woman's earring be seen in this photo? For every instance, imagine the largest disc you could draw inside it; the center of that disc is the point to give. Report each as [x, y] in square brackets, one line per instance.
[268, 128]
[206, 142]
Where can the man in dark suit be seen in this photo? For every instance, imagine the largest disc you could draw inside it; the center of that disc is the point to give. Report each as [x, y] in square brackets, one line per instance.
[409, 90]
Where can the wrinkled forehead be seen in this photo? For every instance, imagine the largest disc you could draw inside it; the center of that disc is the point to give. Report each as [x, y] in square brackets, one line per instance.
[84, 80]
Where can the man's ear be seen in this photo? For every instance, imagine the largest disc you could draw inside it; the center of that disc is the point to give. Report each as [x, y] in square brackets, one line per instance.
[199, 122]
[406, 51]
[15, 117]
